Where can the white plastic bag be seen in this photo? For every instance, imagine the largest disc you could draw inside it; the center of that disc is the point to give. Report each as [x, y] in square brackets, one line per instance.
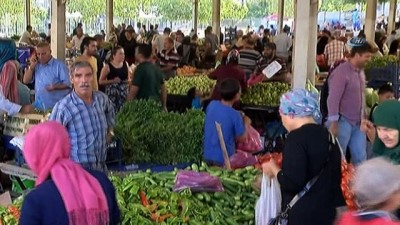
[269, 204]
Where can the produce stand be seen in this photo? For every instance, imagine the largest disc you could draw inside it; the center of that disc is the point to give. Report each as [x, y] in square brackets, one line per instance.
[261, 114]
[22, 177]
[178, 103]
[267, 120]
[147, 166]
[381, 70]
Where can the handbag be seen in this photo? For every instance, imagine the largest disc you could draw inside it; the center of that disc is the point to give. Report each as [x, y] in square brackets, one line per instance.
[282, 218]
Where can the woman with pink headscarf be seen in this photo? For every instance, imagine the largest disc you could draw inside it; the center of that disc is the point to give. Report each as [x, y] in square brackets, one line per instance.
[65, 193]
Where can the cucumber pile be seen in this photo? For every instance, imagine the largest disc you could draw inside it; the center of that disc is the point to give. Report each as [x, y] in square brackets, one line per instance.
[147, 198]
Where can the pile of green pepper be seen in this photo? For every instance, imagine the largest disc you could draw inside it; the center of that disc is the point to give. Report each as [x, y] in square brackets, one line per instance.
[150, 135]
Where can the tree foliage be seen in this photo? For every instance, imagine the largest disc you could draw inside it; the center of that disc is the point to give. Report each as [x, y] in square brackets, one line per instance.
[336, 5]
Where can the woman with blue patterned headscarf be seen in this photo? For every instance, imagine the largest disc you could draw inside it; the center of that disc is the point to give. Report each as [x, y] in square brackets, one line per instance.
[305, 154]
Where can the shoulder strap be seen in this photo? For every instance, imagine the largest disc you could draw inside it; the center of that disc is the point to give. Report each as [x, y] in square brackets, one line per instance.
[332, 143]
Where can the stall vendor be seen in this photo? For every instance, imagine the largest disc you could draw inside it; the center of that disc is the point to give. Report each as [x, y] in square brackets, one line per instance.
[169, 59]
[229, 70]
[89, 118]
[269, 56]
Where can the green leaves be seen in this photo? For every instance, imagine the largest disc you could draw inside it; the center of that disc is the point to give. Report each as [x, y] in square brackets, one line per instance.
[151, 136]
[381, 61]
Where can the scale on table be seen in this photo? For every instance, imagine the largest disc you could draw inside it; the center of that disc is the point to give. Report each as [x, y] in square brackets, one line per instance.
[272, 69]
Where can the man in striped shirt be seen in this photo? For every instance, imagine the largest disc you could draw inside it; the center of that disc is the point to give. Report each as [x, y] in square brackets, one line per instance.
[169, 58]
[89, 118]
[334, 50]
[249, 57]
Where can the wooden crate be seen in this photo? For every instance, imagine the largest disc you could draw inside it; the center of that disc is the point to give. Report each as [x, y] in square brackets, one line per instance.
[19, 124]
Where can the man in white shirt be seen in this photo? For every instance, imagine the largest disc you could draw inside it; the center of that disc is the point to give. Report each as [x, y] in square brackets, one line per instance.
[158, 43]
[283, 43]
[26, 36]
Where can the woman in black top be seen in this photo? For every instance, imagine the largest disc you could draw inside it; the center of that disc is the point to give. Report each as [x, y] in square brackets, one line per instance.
[129, 44]
[305, 154]
[114, 76]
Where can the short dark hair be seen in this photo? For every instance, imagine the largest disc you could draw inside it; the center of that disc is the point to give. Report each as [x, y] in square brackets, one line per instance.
[145, 50]
[386, 88]
[365, 48]
[98, 37]
[270, 45]
[86, 42]
[167, 30]
[28, 27]
[113, 52]
[229, 88]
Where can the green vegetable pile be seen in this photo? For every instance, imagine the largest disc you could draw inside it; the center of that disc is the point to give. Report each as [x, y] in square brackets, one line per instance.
[371, 97]
[150, 135]
[180, 85]
[147, 198]
[10, 215]
[265, 94]
[381, 61]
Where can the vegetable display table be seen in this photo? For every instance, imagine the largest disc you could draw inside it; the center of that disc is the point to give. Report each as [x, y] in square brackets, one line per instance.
[178, 103]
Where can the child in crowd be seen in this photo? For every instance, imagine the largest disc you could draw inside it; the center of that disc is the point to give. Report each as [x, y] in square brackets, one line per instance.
[385, 92]
[232, 123]
[194, 95]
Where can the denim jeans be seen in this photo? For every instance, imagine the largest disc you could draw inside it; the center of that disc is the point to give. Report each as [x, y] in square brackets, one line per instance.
[350, 136]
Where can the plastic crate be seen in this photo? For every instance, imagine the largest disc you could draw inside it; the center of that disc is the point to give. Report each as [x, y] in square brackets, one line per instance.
[20, 185]
[114, 153]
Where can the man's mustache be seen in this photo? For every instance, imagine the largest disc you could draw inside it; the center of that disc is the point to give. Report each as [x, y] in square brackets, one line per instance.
[84, 85]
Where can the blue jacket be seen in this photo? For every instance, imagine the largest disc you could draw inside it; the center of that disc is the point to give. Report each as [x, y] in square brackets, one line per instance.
[44, 205]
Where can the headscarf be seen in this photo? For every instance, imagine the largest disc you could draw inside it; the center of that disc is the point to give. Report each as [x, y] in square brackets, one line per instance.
[47, 152]
[8, 51]
[300, 103]
[233, 56]
[387, 114]
[8, 77]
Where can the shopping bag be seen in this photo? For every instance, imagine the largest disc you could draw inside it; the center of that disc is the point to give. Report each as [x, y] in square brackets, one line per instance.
[252, 143]
[268, 205]
[255, 79]
[197, 182]
[242, 159]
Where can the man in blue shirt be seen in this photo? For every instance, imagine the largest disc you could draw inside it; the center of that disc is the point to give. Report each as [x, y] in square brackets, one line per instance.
[232, 123]
[50, 76]
[89, 118]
